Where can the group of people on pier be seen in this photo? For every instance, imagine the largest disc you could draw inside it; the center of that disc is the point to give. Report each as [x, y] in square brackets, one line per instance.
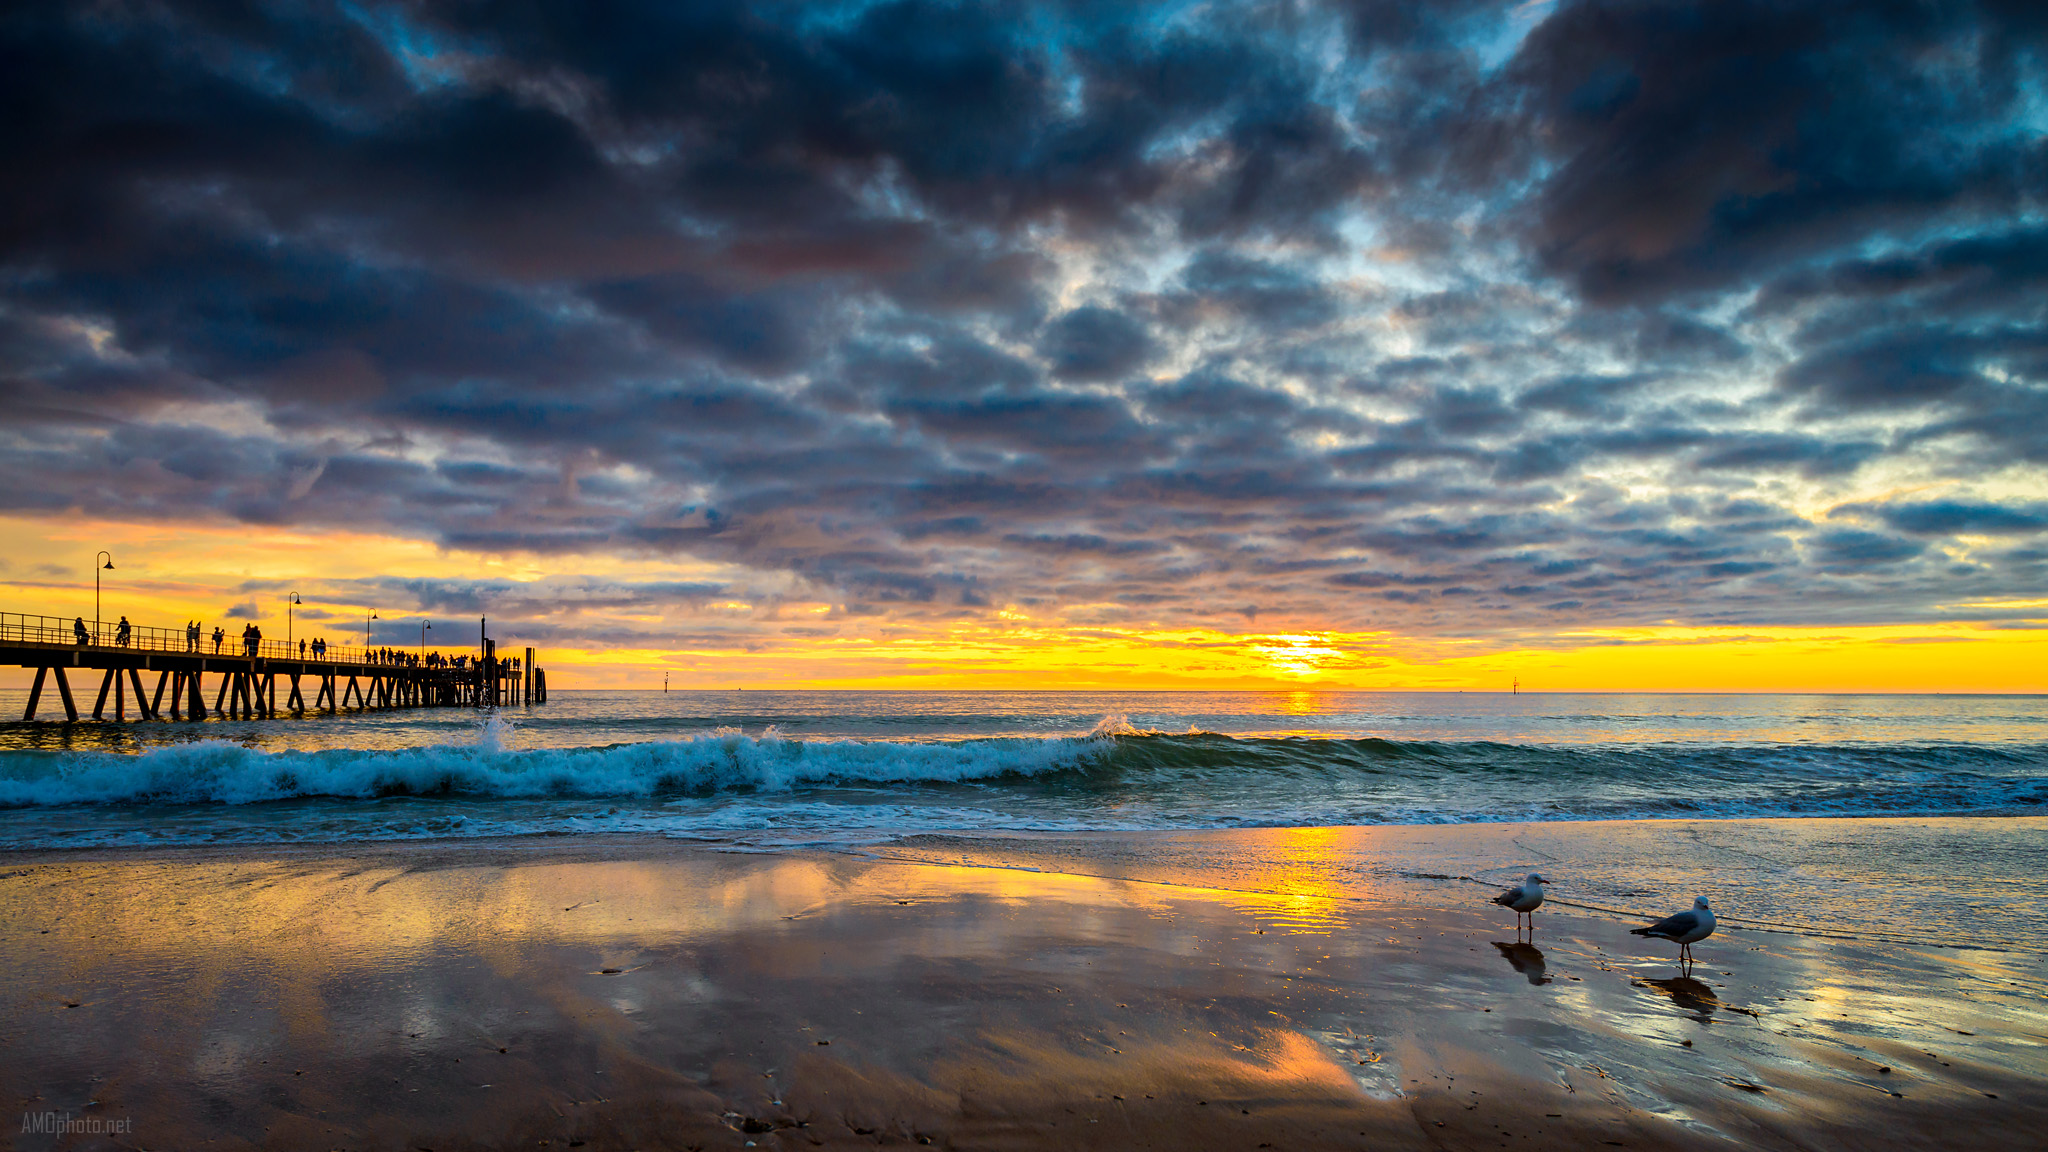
[401, 659]
[252, 646]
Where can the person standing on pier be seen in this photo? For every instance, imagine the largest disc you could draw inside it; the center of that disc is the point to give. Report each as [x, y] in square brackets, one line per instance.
[302, 649]
[192, 636]
[219, 637]
[122, 632]
[78, 629]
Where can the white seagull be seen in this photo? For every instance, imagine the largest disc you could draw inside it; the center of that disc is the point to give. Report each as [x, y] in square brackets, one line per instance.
[1524, 898]
[1687, 928]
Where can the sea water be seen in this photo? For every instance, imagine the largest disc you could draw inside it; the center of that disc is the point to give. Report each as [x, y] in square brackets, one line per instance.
[731, 763]
[769, 770]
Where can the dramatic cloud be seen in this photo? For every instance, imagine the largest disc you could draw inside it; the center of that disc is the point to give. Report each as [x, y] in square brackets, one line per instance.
[1458, 318]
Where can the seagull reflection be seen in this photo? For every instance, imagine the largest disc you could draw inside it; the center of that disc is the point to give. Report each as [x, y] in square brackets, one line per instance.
[1689, 994]
[1526, 959]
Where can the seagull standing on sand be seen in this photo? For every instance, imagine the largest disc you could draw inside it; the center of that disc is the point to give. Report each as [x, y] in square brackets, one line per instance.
[1524, 898]
[1687, 928]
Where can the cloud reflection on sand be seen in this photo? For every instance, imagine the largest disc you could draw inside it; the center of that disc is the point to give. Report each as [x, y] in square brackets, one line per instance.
[913, 998]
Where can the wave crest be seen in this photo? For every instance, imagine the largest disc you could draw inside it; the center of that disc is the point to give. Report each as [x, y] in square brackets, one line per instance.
[218, 771]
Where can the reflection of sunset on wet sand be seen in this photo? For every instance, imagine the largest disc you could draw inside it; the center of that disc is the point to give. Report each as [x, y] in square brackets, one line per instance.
[655, 996]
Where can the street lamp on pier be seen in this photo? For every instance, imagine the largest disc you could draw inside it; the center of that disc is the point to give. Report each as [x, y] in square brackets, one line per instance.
[109, 566]
[366, 634]
[288, 602]
[425, 627]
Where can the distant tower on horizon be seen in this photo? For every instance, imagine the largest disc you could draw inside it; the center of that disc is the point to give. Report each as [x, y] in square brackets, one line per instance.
[1516, 689]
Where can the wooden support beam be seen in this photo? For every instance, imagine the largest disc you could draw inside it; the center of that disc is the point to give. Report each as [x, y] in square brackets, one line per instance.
[197, 691]
[64, 690]
[177, 695]
[156, 702]
[99, 706]
[35, 693]
[227, 683]
[120, 697]
[142, 709]
[297, 700]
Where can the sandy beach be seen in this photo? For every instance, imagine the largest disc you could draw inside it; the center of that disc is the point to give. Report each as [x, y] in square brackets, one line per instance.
[622, 993]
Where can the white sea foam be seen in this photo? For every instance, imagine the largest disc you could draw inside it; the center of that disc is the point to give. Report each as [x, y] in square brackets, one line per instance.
[222, 772]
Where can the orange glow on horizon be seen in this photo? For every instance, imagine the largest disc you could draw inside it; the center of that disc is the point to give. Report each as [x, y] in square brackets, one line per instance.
[165, 575]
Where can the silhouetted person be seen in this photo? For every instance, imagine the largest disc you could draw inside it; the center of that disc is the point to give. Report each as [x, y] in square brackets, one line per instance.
[302, 649]
[78, 629]
[220, 637]
[122, 632]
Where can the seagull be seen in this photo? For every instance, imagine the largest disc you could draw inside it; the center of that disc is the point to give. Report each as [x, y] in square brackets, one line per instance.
[1524, 898]
[1687, 928]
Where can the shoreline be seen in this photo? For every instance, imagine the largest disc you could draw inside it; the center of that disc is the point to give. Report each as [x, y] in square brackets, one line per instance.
[657, 994]
[1467, 855]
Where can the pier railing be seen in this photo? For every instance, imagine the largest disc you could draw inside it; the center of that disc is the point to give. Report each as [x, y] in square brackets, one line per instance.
[56, 631]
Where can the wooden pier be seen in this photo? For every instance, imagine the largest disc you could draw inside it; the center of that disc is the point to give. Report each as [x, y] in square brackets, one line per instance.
[246, 677]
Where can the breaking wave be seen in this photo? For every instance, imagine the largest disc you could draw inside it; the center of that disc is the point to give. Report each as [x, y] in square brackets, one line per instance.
[1113, 776]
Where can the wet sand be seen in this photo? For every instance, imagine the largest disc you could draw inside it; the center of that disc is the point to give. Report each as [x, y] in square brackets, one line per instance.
[641, 994]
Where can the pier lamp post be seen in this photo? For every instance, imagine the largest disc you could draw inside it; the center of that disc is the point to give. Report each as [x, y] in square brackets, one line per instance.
[288, 602]
[97, 566]
[425, 627]
[366, 634]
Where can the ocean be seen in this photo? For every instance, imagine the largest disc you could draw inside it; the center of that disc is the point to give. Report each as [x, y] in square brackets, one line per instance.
[735, 764]
[767, 771]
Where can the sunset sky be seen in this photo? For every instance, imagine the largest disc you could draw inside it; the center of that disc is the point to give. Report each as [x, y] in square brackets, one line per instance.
[1603, 346]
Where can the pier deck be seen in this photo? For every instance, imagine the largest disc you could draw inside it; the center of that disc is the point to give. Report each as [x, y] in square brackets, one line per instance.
[247, 677]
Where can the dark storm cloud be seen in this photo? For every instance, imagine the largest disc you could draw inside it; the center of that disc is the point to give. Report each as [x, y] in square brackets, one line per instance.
[1951, 517]
[1450, 317]
[1694, 144]
[1098, 344]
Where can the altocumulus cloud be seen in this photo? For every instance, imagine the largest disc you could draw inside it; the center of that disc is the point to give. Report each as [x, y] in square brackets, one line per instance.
[1445, 317]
